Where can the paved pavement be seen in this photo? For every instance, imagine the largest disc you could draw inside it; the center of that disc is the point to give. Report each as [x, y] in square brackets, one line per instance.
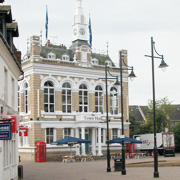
[169, 169]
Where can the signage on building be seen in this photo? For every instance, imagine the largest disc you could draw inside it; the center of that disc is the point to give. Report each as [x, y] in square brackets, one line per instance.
[23, 131]
[13, 121]
[5, 131]
[92, 118]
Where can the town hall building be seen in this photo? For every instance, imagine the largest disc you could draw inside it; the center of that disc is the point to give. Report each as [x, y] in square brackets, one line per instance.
[63, 94]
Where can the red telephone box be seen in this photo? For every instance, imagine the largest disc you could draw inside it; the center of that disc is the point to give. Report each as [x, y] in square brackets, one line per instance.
[40, 152]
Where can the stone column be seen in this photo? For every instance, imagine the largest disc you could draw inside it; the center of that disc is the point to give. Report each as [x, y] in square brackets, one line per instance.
[77, 145]
[94, 141]
[99, 142]
[83, 137]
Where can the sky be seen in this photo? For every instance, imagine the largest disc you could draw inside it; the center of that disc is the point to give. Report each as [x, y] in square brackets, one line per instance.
[124, 24]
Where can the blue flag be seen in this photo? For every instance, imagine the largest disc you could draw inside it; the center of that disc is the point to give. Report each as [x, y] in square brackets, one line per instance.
[46, 26]
[90, 32]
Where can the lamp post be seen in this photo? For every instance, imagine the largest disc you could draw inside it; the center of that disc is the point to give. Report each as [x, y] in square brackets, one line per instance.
[132, 76]
[162, 65]
[107, 121]
[107, 115]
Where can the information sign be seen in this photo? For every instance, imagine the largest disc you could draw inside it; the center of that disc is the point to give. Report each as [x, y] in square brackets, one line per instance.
[5, 131]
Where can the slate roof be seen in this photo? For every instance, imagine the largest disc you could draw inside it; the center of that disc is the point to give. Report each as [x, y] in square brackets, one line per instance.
[135, 111]
[61, 50]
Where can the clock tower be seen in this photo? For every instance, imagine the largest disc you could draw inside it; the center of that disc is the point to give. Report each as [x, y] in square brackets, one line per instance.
[79, 26]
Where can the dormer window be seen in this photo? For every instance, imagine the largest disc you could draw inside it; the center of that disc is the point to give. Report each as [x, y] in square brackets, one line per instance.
[51, 55]
[109, 63]
[65, 57]
[94, 61]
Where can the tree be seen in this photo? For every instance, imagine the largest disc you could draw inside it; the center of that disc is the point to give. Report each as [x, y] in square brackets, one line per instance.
[164, 111]
[176, 130]
[134, 126]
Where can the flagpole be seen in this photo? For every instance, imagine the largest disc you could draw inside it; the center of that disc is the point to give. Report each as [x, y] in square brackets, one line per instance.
[46, 25]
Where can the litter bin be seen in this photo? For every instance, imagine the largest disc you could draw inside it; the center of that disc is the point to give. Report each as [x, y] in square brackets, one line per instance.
[117, 164]
[20, 172]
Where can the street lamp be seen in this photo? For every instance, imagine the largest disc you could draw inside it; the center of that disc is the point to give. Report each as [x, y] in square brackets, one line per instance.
[163, 65]
[131, 76]
[107, 116]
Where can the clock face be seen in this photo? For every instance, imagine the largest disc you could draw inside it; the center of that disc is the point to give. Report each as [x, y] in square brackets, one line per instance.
[75, 31]
[82, 31]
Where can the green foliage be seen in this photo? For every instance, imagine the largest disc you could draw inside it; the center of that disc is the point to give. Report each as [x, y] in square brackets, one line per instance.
[134, 126]
[164, 111]
[176, 130]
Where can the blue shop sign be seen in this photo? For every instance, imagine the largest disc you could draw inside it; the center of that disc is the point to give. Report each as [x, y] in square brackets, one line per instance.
[5, 131]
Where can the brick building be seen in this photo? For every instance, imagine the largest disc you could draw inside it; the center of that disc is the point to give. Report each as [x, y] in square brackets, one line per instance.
[62, 95]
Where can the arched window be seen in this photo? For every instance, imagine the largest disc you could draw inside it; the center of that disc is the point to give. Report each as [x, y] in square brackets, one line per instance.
[26, 98]
[113, 101]
[48, 96]
[83, 98]
[99, 99]
[66, 98]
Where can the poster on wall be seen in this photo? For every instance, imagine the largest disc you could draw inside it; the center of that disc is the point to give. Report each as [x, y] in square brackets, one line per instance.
[5, 131]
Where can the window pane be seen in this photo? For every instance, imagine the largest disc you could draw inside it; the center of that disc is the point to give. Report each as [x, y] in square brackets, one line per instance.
[46, 98]
[85, 93]
[69, 108]
[86, 101]
[45, 107]
[80, 108]
[85, 109]
[51, 99]
[80, 100]
[69, 92]
[51, 90]
[63, 91]
[51, 108]
[69, 99]
[64, 108]
[45, 90]
[63, 99]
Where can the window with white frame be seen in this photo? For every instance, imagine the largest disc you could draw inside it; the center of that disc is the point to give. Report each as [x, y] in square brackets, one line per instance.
[99, 99]
[94, 61]
[65, 57]
[113, 101]
[23, 141]
[5, 85]
[51, 55]
[48, 96]
[18, 98]
[13, 92]
[26, 97]
[109, 63]
[83, 98]
[66, 98]
[67, 132]
[49, 135]
[102, 135]
[114, 133]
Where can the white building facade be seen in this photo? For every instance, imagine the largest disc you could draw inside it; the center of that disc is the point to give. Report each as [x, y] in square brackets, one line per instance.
[63, 94]
[10, 71]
